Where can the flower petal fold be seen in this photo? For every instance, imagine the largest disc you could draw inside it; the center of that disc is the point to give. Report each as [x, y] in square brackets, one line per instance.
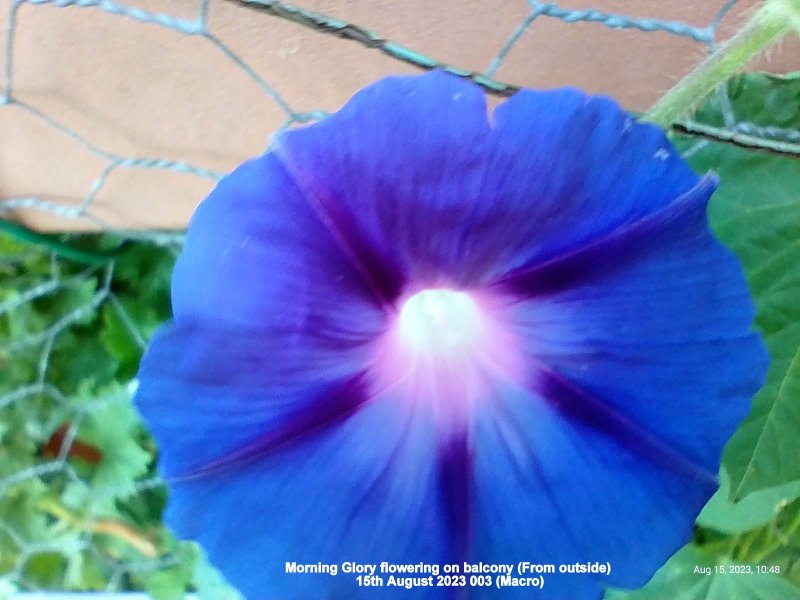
[576, 168]
[655, 321]
[554, 490]
[213, 395]
[258, 256]
[440, 194]
[365, 490]
[399, 172]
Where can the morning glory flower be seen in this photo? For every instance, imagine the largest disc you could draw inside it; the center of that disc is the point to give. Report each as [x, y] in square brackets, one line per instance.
[416, 333]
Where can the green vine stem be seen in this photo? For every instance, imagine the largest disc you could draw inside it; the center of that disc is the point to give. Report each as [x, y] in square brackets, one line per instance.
[110, 527]
[777, 543]
[768, 25]
[23, 234]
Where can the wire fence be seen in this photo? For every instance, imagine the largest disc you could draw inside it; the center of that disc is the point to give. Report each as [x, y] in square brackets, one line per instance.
[79, 498]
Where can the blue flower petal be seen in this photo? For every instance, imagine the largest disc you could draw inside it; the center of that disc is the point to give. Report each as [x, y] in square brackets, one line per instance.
[213, 395]
[552, 490]
[257, 255]
[364, 490]
[398, 172]
[577, 168]
[655, 320]
[443, 195]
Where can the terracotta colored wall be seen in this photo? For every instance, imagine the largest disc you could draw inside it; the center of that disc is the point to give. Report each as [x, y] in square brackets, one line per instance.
[142, 90]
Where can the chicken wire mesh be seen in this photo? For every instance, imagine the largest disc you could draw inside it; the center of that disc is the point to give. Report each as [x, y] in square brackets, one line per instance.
[80, 500]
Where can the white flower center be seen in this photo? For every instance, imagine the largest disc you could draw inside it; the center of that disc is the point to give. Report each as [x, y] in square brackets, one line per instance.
[447, 352]
[441, 323]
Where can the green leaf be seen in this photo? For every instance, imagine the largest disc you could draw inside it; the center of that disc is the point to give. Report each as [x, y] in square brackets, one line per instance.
[47, 567]
[690, 575]
[209, 582]
[765, 99]
[771, 434]
[756, 212]
[112, 426]
[752, 512]
[60, 330]
[121, 340]
[171, 583]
